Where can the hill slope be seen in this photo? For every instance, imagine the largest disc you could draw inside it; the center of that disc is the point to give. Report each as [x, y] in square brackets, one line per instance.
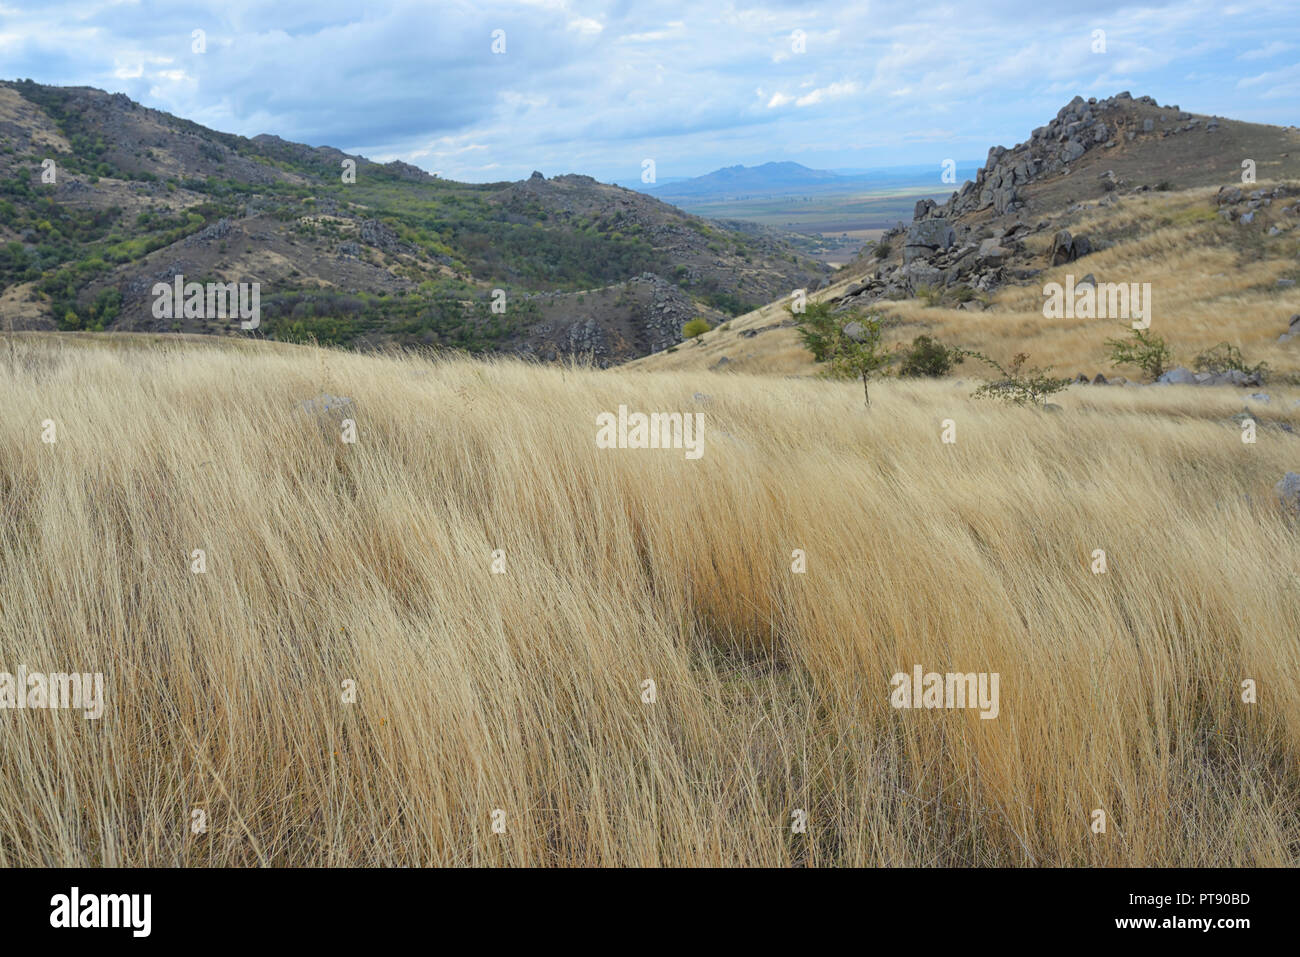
[1150, 207]
[398, 255]
[523, 690]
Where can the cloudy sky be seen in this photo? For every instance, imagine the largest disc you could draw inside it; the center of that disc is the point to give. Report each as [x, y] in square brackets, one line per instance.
[597, 86]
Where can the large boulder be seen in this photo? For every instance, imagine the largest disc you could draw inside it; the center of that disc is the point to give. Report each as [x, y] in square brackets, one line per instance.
[1071, 151]
[1067, 248]
[921, 273]
[1179, 376]
[992, 253]
[1062, 248]
[1004, 199]
[926, 238]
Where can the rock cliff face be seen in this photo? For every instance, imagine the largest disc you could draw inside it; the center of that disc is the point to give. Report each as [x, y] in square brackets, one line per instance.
[1092, 153]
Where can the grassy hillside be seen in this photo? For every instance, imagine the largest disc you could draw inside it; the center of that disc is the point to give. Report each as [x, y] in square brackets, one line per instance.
[1211, 280]
[394, 255]
[522, 691]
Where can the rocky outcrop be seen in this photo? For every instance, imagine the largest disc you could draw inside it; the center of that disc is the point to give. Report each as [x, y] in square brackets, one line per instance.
[1067, 248]
[927, 237]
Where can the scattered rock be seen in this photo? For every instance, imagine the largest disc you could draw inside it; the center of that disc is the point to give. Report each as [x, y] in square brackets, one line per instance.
[1179, 376]
[1288, 490]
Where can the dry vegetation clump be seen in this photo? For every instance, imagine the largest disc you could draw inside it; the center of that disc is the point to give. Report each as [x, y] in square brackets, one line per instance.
[523, 691]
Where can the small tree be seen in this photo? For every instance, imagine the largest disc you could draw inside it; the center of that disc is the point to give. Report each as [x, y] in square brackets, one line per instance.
[860, 352]
[1017, 385]
[851, 344]
[696, 327]
[1144, 349]
[817, 328]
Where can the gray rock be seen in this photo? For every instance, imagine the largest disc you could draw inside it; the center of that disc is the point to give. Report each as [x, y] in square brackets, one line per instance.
[927, 237]
[1179, 376]
[1067, 248]
[1288, 490]
[325, 403]
[1071, 151]
[1259, 397]
[992, 253]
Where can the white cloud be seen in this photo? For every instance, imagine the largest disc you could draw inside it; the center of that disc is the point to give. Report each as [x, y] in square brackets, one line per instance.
[586, 26]
[1267, 51]
[832, 91]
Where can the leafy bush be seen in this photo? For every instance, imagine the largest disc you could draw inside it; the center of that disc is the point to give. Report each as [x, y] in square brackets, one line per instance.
[926, 357]
[1226, 357]
[850, 343]
[1017, 385]
[696, 327]
[882, 250]
[817, 328]
[1144, 349]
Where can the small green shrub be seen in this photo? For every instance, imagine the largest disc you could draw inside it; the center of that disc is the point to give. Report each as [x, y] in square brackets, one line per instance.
[1144, 349]
[1226, 357]
[926, 357]
[696, 327]
[1017, 385]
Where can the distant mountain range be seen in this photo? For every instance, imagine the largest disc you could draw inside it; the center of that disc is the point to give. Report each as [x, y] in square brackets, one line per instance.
[786, 178]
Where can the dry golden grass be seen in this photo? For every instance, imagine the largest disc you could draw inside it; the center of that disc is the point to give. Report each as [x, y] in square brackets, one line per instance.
[522, 691]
